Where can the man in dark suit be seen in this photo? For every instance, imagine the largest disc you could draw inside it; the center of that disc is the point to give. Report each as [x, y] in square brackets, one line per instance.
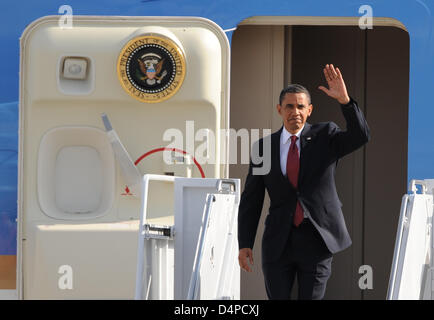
[305, 225]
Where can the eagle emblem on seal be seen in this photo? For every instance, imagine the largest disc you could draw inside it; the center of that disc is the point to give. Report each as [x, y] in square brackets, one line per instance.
[151, 66]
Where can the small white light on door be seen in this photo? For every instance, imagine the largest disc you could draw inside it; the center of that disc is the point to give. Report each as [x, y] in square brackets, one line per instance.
[75, 68]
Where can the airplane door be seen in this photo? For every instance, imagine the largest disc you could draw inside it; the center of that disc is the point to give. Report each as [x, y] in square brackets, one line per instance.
[164, 84]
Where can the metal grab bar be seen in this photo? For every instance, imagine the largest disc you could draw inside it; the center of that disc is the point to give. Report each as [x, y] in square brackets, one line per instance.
[144, 229]
[226, 181]
[412, 186]
[193, 289]
[392, 290]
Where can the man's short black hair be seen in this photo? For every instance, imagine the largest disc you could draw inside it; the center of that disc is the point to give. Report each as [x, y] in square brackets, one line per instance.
[294, 88]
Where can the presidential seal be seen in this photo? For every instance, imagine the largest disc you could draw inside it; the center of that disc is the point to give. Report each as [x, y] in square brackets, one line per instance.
[151, 68]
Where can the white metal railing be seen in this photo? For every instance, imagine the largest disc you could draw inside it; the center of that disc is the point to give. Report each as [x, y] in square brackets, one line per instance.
[229, 247]
[154, 273]
[148, 232]
[413, 245]
[395, 273]
[194, 280]
[412, 186]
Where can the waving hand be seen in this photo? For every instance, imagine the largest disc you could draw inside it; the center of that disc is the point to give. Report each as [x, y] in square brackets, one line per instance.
[337, 89]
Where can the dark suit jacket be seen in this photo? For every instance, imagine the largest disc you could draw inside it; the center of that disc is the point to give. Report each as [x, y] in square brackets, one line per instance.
[322, 145]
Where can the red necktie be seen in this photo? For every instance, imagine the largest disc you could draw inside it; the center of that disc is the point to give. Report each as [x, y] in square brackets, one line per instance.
[292, 168]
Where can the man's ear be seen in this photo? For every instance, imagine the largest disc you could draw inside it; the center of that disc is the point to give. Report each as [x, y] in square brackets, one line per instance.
[278, 107]
[311, 109]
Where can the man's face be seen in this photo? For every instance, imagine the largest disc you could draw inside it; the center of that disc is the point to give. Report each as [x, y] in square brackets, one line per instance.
[294, 110]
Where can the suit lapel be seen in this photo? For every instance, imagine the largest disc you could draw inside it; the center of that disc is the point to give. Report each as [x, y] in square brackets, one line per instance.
[275, 147]
[306, 138]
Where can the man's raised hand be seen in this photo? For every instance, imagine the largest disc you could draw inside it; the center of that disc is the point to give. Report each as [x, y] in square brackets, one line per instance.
[337, 89]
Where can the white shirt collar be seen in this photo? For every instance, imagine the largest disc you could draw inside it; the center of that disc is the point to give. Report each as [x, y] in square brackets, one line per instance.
[286, 134]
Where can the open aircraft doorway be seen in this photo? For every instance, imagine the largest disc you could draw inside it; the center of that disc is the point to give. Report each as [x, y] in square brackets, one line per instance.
[270, 52]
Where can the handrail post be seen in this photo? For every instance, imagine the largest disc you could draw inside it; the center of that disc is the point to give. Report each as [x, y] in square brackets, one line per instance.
[412, 186]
